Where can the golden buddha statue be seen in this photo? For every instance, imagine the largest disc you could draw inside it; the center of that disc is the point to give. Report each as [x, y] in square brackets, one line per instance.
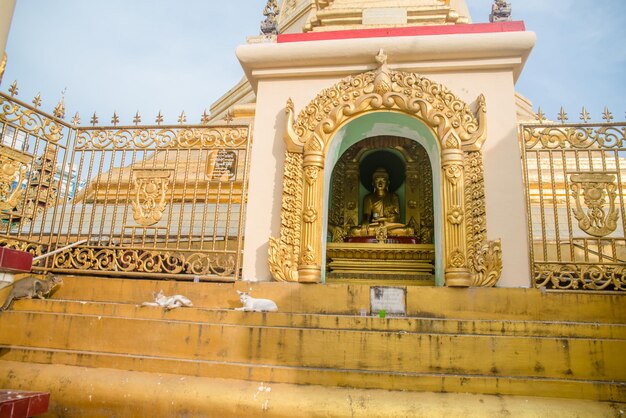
[381, 210]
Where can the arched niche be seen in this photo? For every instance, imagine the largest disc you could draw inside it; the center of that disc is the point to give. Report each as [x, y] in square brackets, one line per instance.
[386, 123]
[468, 258]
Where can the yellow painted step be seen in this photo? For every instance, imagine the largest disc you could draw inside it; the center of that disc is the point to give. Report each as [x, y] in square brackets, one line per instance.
[346, 322]
[519, 386]
[85, 392]
[560, 358]
[434, 302]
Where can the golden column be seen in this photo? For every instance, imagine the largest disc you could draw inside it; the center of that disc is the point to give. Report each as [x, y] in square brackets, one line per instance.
[457, 273]
[310, 267]
[6, 14]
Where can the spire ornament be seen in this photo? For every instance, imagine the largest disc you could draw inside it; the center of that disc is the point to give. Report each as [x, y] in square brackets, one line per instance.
[500, 12]
[270, 25]
[59, 110]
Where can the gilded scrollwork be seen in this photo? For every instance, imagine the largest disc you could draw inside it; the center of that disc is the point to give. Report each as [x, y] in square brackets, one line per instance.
[121, 260]
[30, 120]
[485, 257]
[36, 249]
[488, 264]
[284, 251]
[406, 92]
[594, 189]
[150, 190]
[573, 276]
[162, 137]
[575, 137]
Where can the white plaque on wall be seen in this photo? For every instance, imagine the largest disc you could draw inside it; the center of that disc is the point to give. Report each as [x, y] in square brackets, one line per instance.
[390, 299]
[385, 16]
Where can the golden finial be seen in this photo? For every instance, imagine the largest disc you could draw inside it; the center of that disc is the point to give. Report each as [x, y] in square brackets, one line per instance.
[540, 116]
[94, 119]
[562, 116]
[13, 89]
[37, 100]
[205, 118]
[115, 119]
[159, 119]
[76, 120]
[607, 115]
[584, 115]
[59, 110]
[137, 119]
[182, 118]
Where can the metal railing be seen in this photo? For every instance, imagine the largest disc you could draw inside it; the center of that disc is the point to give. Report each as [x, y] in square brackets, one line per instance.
[575, 176]
[151, 201]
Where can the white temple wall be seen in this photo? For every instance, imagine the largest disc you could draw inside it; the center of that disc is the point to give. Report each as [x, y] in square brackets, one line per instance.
[484, 66]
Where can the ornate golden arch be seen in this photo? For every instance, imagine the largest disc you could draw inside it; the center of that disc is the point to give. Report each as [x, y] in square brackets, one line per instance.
[469, 259]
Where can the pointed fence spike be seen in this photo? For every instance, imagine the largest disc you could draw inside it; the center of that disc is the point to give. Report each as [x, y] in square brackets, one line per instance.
[94, 119]
[13, 90]
[584, 115]
[115, 119]
[562, 116]
[159, 118]
[540, 116]
[137, 118]
[205, 118]
[607, 115]
[37, 100]
[76, 120]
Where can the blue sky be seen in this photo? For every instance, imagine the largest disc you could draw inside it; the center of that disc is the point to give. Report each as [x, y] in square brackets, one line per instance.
[151, 55]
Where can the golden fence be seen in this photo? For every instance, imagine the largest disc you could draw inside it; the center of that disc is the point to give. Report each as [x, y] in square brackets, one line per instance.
[142, 201]
[575, 176]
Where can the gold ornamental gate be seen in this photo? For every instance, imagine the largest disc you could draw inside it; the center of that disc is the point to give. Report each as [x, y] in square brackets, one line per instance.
[576, 188]
[144, 201]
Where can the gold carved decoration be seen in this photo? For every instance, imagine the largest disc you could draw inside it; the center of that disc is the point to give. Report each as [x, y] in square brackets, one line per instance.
[485, 257]
[594, 188]
[458, 129]
[150, 187]
[284, 252]
[13, 166]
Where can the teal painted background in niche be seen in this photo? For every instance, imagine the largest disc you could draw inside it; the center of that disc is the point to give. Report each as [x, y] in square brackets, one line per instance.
[383, 123]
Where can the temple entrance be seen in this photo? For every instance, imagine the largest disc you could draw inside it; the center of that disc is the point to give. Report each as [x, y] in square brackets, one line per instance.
[380, 214]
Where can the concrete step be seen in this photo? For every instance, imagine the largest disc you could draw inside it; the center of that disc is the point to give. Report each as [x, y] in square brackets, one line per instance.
[100, 392]
[425, 302]
[368, 350]
[493, 341]
[326, 321]
[608, 391]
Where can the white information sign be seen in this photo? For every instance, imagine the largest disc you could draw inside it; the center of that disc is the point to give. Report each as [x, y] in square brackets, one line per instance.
[390, 299]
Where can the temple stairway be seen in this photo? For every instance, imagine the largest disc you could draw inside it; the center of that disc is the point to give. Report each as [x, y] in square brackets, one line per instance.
[487, 346]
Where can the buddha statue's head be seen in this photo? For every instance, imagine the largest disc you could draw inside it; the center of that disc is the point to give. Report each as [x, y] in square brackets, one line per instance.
[380, 180]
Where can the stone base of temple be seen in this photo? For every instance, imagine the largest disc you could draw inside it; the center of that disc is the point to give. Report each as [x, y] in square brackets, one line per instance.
[458, 352]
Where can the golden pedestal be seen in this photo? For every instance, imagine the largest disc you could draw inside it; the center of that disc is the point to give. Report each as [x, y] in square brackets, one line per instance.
[381, 262]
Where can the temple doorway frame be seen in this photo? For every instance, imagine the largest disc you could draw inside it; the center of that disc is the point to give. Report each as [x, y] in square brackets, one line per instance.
[385, 123]
[469, 259]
